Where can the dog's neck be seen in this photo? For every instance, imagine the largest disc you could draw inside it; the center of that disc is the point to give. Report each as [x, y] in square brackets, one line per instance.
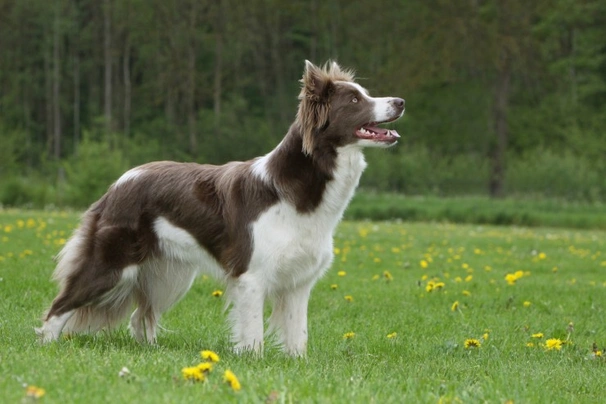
[325, 179]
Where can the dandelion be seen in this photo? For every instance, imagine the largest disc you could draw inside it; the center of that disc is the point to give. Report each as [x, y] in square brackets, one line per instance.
[466, 293]
[349, 298]
[193, 373]
[468, 278]
[392, 335]
[205, 367]
[542, 256]
[337, 251]
[387, 275]
[526, 303]
[230, 378]
[485, 336]
[472, 343]
[554, 343]
[341, 273]
[209, 356]
[376, 277]
[537, 335]
[35, 392]
[455, 306]
[217, 293]
[423, 264]
[530, 344]
[334, 286]
[349, 335]
[124, 372]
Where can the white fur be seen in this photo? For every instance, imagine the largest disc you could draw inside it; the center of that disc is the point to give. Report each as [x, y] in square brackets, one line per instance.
[129, 176]
[52, 328]
[291, 252]
[383, 108]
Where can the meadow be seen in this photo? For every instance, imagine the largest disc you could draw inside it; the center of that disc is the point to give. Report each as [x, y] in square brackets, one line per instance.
[409, 312]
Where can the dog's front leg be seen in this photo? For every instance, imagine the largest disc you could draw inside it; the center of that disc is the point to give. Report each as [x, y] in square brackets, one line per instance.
[247, 295]
[289, 319]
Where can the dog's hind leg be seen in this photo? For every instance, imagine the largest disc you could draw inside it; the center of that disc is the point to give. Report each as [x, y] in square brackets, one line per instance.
[96, 282]
[162, 283]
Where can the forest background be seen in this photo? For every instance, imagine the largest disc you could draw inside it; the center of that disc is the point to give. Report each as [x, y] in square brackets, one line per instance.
[504, 98]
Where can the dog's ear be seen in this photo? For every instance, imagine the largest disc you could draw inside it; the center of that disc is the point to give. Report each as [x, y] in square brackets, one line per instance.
[316, 90]
[316, 83]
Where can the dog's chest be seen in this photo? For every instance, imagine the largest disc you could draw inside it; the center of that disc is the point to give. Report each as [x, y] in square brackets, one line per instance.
[291, 248]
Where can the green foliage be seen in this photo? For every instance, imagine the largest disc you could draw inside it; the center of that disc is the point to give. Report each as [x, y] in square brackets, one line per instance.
[481, 210]
[217, 81]
[90, 172]
[32, 192]
[558, 295]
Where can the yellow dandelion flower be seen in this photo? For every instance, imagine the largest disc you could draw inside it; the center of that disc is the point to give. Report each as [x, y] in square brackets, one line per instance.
[377, 260]
[439, 285]
[205, 367]
[537, 335]
[20, 224]
[349, 335]
[387, 275]
[193, 373]
[598, 353]
[209, 356]
[542, 256]
[485, 336]
[466, 293]
[464, 265]
[341, 273]
[349, 298]
[230, 378]
[392, 335]
[217, 293]
[554, 343]
[8, 228]
[30, 223]
[35, 392]
[334, 286]
[337, 251]
[526, 303]
[395, 250]
[468, 278]
[376, 277]
[429, 286]
[458, 279]
[530, 344]
[423, 264]
[472, 343]
[455, 306]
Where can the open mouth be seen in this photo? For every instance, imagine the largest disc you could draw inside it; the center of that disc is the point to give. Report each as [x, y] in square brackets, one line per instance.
[371, 131]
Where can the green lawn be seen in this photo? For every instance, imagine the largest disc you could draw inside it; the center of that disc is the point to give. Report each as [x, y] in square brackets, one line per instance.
[561, 294]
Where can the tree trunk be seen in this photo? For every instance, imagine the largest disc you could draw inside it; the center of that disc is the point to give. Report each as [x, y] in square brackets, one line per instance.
[191, 84]
[107, 60]
[76, 101]
[56, 88]
[127, 85]
[499, 150]
[217, 88]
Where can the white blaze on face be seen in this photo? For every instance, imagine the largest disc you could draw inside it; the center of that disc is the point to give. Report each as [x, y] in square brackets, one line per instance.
[383, 107]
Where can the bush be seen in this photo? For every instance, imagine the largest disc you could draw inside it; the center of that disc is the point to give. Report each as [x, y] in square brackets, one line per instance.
[90, 172]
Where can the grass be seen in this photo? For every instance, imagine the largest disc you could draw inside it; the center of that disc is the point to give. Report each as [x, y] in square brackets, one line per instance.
[563, 280]
[481, 210]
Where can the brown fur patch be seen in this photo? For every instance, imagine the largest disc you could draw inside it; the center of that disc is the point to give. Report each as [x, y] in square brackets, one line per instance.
[314, 107]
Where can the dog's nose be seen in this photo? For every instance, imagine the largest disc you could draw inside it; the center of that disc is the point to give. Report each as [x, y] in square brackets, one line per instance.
[398, 102]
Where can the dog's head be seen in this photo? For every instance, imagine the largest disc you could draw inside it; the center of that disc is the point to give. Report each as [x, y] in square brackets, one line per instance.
[336, 111]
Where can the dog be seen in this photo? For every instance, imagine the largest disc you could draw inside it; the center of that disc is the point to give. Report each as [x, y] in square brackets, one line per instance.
[265, 226]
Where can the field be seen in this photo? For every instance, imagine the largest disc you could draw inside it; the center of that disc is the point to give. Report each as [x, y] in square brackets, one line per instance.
[409, 312]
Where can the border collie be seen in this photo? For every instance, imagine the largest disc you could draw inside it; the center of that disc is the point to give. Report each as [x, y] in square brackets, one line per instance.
[264, 226]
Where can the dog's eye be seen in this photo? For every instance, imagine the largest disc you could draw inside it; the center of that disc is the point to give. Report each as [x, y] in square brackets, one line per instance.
[354, 99]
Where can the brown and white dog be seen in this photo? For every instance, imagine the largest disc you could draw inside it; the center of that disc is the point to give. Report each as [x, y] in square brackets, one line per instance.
[265, 226]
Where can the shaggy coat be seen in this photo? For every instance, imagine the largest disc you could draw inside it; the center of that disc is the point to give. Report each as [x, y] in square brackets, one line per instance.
[265, 226]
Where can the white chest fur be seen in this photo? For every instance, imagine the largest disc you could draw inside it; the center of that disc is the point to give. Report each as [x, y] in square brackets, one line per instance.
[290, 248]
